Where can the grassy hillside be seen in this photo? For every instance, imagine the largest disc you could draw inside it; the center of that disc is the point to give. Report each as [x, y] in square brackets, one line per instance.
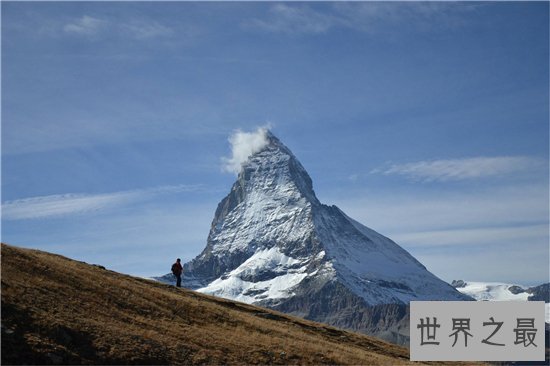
[57, 310]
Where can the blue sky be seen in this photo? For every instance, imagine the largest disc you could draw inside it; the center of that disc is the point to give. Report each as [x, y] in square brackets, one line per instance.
[427, 122]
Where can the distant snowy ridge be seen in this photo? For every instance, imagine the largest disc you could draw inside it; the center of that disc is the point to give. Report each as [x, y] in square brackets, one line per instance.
[498, 291]
[493, 291]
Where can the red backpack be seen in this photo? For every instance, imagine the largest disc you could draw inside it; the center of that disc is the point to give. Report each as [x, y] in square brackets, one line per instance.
[176, 269]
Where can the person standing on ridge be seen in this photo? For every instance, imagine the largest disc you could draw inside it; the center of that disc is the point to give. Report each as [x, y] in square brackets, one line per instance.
[177, 270]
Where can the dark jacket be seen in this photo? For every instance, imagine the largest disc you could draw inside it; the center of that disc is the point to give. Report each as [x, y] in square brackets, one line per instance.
[177, 269]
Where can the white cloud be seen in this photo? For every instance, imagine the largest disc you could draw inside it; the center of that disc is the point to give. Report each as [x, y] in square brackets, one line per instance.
[146, 30]
[360, 16]
[462, 169]
[294, 20]
[139, 29]
[86, 26]
[353, 177]
[243, 145]
[70, 204]
[371, 16]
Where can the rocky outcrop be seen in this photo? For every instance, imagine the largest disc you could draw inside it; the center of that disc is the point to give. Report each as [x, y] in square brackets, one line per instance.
[539, 293]
[458, 284]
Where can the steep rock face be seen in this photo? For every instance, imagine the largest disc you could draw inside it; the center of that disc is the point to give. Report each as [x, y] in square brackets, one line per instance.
[539, 293]
[336, 305]
[272, 243]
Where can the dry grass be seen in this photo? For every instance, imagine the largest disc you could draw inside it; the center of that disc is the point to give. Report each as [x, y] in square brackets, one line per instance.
[56, 310]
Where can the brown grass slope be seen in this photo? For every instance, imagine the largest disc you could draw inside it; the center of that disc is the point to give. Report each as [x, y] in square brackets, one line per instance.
[57, 310]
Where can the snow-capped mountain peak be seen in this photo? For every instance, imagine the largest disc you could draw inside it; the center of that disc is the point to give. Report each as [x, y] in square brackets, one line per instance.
[271, 240]
[272, 243]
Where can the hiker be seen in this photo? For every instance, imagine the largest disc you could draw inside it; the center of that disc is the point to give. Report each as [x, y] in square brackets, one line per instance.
[177, 269]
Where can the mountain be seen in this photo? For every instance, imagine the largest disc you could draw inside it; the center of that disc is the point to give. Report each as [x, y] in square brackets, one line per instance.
[491, 291]
[273, 244]
[60, 311]
[498, 291]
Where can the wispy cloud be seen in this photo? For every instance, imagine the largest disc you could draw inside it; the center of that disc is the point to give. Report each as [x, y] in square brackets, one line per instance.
[146, 30]
[402, 213]
[489, 235]
[86, 25]
[71, 204]
[139, 242]
[284, 18]
[473, 236]
[463, 169]
[486, 253]
[360, 16]
[422, 16]
[526, 264]
[139, 29]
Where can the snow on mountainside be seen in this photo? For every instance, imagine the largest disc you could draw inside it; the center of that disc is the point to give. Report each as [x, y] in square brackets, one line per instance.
[271, 233]
[239, 284]
[373, 266]
[493, 291]
[273, 244]
[497, 291]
